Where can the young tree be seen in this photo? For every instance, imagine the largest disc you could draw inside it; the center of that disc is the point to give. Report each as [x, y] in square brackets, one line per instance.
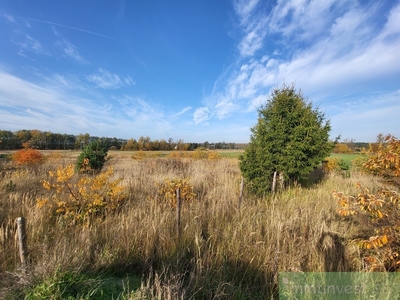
[290, 138]
[93, 156]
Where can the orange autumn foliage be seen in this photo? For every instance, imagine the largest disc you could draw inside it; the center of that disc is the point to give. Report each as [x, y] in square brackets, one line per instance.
[28, 157]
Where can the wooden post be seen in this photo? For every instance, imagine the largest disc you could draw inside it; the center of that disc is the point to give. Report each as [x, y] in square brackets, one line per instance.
[178, 212]
[241, 192]
[274, 183]
[21, 233]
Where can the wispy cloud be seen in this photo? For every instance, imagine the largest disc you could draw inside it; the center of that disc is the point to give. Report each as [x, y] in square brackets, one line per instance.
[201, 115]
[187, 108]
[50, 105]
[106, 80]
[254, 25]
[69, 50]
[244, 10]
[74, 28]
[27, 44]
[9, 18]
[302, 20]
[352, 49]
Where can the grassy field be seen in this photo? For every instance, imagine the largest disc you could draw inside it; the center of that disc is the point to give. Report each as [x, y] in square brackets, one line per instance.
[348, 158]
[224, 250]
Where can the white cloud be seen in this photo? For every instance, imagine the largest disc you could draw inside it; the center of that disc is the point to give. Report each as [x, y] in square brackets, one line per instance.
[253, 24]
[187, 108]
[70, 51]
[50, 106]
[106, 80]
[329, 49]
[9, 18]
[256, 103]
[225, 107]
[244, 9]
[367, 120]
[129, 81]
[201, 115]
[26, 43]
[303, 19]
[254, 39]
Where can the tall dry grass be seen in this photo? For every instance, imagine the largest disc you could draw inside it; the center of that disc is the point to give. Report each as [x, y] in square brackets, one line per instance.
[221, 253]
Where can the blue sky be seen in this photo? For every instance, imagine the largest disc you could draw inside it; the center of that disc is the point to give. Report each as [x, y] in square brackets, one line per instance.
[196, 70]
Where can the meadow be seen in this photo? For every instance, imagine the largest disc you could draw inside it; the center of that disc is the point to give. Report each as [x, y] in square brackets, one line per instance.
[229, 247]
[346, 157]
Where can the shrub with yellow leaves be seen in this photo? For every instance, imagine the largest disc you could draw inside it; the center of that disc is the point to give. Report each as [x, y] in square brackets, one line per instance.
[379, 211]
[167, 191]
[82, 199]
[385, 161]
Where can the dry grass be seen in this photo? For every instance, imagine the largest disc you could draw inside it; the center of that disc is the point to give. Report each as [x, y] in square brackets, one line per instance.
[222, 253]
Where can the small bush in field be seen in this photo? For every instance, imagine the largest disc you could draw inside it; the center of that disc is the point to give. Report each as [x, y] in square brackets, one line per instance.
[28, 157]
[83, 200]
[336, 164]
[92, 157]
[167, 191]
[200, 153]
[213, 155]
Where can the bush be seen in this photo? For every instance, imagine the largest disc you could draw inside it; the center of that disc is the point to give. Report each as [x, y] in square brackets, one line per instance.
[83, 201]
[167, 191]
[378, 211]
[28, 157]
[336, 165]
[92, 157]
[385, 161]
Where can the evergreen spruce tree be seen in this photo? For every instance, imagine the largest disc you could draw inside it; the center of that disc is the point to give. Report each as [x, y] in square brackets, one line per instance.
[290, 138]
[95, 153]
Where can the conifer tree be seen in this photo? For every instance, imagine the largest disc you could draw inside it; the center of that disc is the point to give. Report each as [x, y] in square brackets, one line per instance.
[290, 138]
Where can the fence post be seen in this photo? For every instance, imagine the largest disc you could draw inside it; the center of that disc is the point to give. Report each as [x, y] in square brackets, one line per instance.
[22, 245]
[241, 192]
[274, 183]
[178, 211]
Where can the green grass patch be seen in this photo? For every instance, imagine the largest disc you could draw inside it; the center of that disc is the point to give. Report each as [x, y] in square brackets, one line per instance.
[347, 158]
[230, 153]
[72, 285]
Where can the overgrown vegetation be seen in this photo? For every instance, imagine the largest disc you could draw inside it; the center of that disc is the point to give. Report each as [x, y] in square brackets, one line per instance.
[378, 210]
[81, 200]
[127, 247]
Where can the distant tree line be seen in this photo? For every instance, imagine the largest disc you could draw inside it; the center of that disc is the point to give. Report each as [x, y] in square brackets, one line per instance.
[56, 141]
[351, 146]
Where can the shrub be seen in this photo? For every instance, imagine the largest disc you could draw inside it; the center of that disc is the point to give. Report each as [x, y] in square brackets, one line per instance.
[385, 161]
[167, 191]
[92, 157]
[200, 153]
[81, 202]
[28, 157]
[380, 212]
[336, 165]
